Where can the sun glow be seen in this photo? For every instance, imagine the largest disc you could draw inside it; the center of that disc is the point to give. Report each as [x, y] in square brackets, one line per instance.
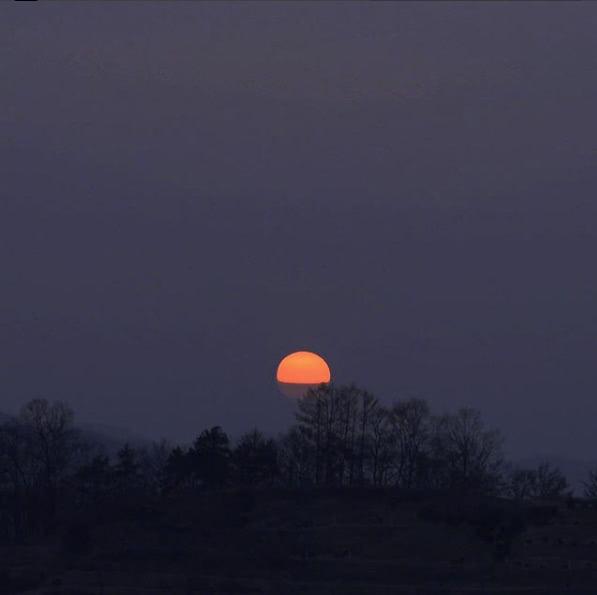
[300, 371]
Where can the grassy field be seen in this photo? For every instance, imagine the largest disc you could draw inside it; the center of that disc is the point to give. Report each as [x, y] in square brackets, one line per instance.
[374, 542]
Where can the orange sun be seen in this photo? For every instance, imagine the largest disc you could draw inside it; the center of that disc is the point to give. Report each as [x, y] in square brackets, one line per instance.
[300, 371]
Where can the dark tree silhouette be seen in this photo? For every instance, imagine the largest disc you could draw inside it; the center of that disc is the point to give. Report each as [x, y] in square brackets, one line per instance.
[152, 465]
[93, 481]
[381, 446]
[469, 454]
[521, 484]
[127, 475]
[346, 434]
[343, 437]
[550, 482]
[590, 485]
[177, 470]
[256, 459]
[54, 443]
[544, 482]
[19, 472]
[296, 459]
[410, 422]
[210, 458]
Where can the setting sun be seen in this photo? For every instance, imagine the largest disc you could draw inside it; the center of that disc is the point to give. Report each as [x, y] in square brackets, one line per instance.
[300, 371]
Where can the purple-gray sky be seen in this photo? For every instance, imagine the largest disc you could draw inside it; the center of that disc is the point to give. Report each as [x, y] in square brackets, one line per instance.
[189, 191]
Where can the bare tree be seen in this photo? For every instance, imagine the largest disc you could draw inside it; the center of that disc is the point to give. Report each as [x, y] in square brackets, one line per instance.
[296, 458]
[382, 446]
[153, 460]
[590, 485]
[545, 482]
[521, 484]
[311, 430]
[410, 427]
[339, 424]
[368, 406]
[346, 430]
[551, 482]
[54, 443]
[470, 454]
[319, 417]
[19, 473]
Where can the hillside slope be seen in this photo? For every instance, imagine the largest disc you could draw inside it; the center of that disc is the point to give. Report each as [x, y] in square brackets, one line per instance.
[312, 543]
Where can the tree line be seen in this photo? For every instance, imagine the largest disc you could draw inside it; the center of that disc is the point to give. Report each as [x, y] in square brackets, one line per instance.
[343, 436]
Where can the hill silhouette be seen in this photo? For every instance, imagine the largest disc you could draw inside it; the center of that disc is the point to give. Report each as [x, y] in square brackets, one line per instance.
[355, 497]
[317, 542]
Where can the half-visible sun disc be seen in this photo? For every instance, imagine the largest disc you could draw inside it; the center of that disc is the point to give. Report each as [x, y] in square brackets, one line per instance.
[300, 371]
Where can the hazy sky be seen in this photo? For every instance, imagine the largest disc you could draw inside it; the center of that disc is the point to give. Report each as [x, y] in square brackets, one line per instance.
[189, 191]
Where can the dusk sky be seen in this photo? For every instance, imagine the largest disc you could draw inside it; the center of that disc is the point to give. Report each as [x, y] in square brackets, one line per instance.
[190, 191]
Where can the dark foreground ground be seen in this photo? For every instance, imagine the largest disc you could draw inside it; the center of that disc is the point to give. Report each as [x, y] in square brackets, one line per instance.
[324, 542]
